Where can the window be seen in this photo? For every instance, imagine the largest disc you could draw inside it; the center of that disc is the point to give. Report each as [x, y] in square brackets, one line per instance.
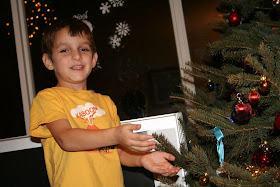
[14, 80]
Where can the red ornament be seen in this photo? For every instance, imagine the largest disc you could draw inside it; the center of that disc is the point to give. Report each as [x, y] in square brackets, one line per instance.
[234, 19]
[241, 112]
[243, 108]
[254, 97]
[264, 156]
[277, 122]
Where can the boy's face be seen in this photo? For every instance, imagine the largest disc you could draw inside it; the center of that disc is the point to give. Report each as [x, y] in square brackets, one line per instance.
[72, 59]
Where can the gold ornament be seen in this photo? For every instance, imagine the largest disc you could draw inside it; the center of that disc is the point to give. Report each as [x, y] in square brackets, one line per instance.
[275, 2]
[204, 179]
[264, 85]
[256, 170]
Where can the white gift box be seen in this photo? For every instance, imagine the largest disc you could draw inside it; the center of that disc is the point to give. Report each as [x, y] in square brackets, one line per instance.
[169, 126]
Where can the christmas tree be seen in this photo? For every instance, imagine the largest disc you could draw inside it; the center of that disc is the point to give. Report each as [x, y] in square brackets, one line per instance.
[233, 123]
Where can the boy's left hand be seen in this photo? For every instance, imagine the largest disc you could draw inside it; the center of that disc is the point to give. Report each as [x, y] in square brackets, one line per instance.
[157, 162]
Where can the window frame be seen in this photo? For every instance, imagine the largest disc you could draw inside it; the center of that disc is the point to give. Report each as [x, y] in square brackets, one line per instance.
[23, 58]
[26, 73]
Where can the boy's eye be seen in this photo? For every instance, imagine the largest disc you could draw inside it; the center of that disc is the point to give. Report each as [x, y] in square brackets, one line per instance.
[63, 50]
[84, 49]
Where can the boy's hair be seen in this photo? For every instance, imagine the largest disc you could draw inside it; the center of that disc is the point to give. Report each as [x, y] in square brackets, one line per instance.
[75, 26]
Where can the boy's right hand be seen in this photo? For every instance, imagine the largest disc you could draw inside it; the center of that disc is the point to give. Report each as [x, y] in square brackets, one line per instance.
[133, 141]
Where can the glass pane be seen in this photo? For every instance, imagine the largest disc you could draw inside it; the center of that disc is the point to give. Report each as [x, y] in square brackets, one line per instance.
[198, 17]
[136, 49]
[12, 109]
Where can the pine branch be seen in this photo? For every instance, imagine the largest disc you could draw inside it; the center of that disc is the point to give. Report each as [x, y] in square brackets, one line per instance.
[267, 59]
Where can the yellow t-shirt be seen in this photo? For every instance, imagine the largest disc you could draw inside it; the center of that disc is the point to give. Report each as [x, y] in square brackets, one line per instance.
[83, 109]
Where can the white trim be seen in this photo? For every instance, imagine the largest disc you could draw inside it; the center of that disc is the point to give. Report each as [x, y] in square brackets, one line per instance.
[23, 58]
[181, 40]
[18, 143]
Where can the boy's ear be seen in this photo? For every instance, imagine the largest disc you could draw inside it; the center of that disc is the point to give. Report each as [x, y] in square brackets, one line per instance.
[94, 59]
[47, 62]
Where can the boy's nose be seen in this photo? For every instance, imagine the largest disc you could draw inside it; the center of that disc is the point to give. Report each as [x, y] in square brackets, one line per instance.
[76, 55]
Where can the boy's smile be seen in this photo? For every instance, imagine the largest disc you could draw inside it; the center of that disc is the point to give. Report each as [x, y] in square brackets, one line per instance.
[72, 60]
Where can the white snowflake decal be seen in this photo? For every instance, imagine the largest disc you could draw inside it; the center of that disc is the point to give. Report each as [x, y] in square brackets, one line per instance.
[117, 3]
[115, 41]
[88, 24]
[122, 29]
[105, 8]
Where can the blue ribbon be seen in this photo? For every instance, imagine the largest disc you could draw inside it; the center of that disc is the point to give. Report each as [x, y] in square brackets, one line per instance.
[220, 146]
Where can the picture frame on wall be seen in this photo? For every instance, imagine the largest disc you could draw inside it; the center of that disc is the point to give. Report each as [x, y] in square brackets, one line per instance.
[164, 83]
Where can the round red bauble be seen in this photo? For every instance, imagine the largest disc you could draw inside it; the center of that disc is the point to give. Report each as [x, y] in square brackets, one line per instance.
[277, 122]
[241, 112]
[240, 108]
[254, 97]
[234, 19]
[243, 109]
[264, 156]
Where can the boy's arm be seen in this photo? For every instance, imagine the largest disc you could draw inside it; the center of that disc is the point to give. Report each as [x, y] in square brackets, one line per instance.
[76, 139]
[156, 162]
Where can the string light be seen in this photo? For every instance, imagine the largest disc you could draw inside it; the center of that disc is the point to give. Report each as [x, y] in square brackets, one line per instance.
[8, 24]
[38, 14]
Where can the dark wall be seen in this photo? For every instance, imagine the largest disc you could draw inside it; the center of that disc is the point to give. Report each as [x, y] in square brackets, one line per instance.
[26, 168]
[23, 168]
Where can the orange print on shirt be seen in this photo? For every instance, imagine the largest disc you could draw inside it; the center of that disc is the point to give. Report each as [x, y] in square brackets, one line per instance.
[88, 113]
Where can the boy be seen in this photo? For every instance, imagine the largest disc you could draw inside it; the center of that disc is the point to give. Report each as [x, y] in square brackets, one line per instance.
[80, 128]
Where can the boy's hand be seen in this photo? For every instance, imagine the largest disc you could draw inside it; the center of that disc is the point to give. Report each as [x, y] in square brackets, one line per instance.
[133, 141]
[157, 162]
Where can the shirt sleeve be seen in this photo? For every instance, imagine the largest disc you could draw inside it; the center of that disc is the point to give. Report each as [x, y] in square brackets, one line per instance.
[114, 112]
[45, 108]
